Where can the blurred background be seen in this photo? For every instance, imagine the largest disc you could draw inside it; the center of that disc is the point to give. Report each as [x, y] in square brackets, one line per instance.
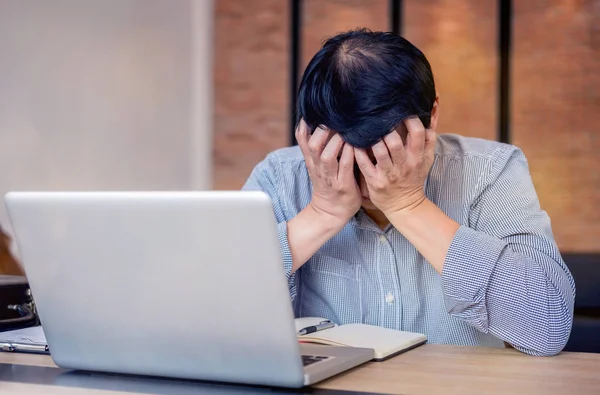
[191, 94]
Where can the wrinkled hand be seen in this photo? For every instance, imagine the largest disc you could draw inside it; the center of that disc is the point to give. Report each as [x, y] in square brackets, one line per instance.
[396, 181]
[335, 191]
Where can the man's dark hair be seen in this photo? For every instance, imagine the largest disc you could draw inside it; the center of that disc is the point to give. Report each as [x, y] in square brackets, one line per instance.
[363, 84]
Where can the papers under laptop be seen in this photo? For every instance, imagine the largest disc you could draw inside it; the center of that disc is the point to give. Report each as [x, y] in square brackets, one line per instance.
[30, 339]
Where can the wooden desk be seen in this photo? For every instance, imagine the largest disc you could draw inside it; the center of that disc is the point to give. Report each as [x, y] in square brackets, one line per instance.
[429, 369]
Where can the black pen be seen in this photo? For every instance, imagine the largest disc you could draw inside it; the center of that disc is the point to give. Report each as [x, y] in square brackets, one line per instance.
[315, 328]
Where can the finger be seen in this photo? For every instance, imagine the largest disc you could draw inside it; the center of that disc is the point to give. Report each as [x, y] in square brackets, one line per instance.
[346, 165]
[316, 144]
[302, 134]
[367, 168]
[329, 157]
[395, 146]
[430, 141]
[382, 155]
[415, 140]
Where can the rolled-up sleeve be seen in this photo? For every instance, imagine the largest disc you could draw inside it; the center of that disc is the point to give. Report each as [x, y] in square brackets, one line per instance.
[503, 273]
[266, 178]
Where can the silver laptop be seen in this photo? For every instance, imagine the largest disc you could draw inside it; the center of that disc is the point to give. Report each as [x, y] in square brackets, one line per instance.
[175, 284]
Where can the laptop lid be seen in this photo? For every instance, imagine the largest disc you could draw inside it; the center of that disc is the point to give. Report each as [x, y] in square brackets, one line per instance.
[179, 284]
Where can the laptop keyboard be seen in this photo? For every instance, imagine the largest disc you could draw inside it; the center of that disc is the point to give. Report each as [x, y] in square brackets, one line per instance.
[310, 359]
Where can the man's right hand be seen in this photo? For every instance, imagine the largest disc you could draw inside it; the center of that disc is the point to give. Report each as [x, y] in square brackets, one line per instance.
[330, 164]
[336, 196]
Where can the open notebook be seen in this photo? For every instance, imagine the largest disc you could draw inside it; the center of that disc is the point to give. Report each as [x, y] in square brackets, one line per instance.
[385, 342]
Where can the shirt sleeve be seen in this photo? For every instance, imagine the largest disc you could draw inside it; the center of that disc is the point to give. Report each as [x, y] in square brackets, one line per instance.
[266, 177]
[503, 273]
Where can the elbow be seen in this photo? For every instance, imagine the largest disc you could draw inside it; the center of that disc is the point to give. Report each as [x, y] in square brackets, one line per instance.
[549, 336]
[552, 351]
[543, 350]
[552, 340]
[544, 346]
[553, 337]
[560, 331]
[549, 349]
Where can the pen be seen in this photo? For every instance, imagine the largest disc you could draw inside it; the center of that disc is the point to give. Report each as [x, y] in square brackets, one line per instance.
[315, 328]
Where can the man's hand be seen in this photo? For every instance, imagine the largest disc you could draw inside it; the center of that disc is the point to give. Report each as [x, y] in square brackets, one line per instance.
[336, 197]
[396, 184]
[335, 191]
[396, 181]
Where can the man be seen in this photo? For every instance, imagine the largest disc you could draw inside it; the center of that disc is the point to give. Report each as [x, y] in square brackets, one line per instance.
[383, 222]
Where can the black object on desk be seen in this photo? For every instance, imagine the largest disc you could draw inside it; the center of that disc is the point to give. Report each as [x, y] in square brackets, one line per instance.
[16, 303]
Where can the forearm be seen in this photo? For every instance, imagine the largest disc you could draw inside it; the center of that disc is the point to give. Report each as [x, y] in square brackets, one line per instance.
[521, 296]
[307, 232]
[537, 325]
[428, 229]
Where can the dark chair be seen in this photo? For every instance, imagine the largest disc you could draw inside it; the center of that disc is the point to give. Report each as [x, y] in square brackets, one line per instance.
[585, 335]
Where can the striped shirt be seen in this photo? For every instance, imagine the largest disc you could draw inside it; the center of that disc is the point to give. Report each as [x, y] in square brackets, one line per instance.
[503, 277]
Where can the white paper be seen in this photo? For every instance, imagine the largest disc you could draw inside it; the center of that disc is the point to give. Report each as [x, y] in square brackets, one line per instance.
[30, 335]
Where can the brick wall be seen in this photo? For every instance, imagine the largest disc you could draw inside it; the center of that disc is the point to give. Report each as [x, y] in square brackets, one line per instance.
[459, 40]
[556, 112]
[251, 86]
[326, 18]
[555, 85]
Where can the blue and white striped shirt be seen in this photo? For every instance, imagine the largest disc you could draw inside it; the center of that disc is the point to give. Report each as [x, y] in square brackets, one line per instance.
[503, 277]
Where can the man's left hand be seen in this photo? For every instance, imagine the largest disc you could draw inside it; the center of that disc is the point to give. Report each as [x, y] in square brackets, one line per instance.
[395, 182]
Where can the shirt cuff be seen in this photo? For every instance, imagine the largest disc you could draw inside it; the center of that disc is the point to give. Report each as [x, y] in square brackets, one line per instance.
[467, 271]
[286, 257]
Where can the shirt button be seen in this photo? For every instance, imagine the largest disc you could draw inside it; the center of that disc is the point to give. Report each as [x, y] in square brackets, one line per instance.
[382, 239]
[389, 298]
